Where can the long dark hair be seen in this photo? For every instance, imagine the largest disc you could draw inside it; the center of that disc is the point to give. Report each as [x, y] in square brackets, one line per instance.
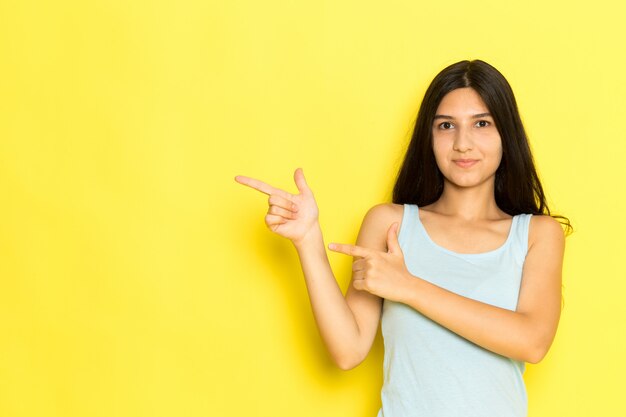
[517, 186]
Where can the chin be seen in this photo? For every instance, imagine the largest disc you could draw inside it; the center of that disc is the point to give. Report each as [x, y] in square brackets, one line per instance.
[466, 182]
[465, 185]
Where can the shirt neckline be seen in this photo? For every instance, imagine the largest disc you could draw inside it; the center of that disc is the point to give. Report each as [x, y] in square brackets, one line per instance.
[467, 255]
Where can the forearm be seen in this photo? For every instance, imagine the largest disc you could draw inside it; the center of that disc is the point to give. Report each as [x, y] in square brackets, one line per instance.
[335, 320]
[499, 330]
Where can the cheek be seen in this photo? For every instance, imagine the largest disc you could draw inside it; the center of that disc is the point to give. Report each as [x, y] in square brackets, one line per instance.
[440, 148]
[499, 150]
[497, 156]
[440, 156]
[494, 147]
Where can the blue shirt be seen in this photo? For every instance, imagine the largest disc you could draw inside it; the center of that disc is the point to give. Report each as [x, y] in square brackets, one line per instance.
[430, 371]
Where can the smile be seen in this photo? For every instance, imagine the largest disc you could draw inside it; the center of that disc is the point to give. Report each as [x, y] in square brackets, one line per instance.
[465, 163]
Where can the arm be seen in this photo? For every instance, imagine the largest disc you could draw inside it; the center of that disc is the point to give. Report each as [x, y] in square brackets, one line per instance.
[347, 325]
[367, 307]
[349, 337]
[525, 334]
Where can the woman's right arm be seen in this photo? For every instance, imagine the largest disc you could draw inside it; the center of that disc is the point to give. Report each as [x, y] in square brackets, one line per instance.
[347, 325]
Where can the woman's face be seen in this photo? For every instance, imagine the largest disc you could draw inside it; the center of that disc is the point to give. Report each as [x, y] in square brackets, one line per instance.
[466, 142]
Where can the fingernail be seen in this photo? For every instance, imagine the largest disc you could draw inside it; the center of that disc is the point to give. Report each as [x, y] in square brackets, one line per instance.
[331, 246]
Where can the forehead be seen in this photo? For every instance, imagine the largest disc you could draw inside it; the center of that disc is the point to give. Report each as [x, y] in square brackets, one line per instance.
[462, 101]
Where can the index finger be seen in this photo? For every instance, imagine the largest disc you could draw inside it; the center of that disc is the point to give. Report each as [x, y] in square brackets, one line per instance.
[349, 249]
[262, 186]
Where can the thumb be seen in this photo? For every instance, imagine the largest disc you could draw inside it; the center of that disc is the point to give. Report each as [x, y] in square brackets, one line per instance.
[393, 246]
[298, 176]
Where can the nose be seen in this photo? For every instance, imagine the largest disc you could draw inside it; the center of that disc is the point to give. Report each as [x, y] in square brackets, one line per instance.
[463, 141]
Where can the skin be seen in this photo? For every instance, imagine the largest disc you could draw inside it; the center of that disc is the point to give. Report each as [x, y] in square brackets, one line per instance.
[465, 219]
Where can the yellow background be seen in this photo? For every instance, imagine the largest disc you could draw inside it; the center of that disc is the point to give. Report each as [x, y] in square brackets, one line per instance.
[137, 278]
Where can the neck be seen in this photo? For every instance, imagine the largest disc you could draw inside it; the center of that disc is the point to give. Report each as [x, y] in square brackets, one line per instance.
[468, 203]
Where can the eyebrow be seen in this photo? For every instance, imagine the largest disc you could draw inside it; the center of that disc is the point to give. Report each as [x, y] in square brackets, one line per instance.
[476, 116]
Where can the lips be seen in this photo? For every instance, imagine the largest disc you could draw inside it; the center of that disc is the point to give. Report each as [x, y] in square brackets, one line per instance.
[465, 163]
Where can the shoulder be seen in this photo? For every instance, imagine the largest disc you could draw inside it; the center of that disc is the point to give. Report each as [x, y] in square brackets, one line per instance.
[376, 223]
[545, 230]
[384, 214]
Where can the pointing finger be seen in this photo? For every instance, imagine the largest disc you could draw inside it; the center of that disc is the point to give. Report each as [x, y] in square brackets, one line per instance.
[349, 249]
[262, 186]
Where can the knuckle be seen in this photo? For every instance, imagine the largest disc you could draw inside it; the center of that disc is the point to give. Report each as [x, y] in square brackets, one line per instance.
[269, 220]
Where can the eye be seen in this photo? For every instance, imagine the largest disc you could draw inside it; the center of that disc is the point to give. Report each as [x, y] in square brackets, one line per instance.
[445, 125]
[482, 123]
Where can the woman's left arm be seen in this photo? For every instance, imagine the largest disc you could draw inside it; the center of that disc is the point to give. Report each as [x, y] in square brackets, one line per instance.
[525, 334]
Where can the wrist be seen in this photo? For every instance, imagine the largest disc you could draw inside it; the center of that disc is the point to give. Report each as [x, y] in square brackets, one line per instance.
[312, 238]
[409, 289]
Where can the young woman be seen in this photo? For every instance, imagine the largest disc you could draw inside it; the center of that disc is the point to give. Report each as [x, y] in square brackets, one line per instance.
[463, 268]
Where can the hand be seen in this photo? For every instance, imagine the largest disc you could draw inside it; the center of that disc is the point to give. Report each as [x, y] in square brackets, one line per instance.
[381, 273]
[288, 215]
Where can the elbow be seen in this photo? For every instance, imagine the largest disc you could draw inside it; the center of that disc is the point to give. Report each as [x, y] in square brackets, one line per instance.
[535, 357]
[537, 353]
[539, 341]
[346, 366]
[347, 363]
